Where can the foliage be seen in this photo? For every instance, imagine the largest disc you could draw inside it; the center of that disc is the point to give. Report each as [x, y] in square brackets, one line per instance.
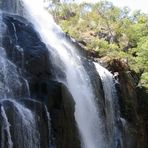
[108, 31]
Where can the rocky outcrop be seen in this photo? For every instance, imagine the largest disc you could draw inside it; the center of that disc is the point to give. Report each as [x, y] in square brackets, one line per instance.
[11, 6]
[24, 47]
[25, 125]
[61, 107]
[31, 60]
[134, 129]
[26, 50]
[132, 98]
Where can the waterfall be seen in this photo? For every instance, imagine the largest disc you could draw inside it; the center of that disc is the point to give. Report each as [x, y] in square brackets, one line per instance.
[111, 107]
[6, 127]
[27, 128]
[66, 57]
[20, 116]
[11, 86]
[24, 120]
[24, 123]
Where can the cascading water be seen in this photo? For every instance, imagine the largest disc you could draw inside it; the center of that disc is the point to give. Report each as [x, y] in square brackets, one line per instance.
[6, 127]
[112, 107]
[12, 85]
[26, 134]
[19, 126]
[77, 79]
[30, 118]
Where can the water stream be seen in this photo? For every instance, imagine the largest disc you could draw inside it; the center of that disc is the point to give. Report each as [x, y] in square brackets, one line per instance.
[77, 79]
[66, 58]
[19, 125]
[111, 107]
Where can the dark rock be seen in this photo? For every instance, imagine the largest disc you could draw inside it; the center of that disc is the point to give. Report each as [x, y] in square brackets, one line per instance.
[134, 135]
[60, 104]
[96, 84]
[25, 48]
[42, 119]
[11, 6]
[28, 123]
[12, 85]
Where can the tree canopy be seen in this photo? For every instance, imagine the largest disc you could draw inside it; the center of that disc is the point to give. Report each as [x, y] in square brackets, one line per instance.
[108, 31]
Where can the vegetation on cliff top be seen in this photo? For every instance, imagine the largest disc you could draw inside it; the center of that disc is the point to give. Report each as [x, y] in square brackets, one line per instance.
[107, 30]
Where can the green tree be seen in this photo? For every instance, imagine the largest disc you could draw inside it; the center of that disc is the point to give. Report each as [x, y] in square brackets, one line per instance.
[108, 31]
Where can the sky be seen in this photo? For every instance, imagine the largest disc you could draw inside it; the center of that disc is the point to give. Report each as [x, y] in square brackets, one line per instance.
[132, 4]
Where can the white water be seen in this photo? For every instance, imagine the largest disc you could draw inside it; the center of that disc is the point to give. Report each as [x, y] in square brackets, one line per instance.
[26, 130]
[11, 87]
[28, 125]
[111, 104]
[49, 127]
[6, 127]
[25, 126]
[77, 80]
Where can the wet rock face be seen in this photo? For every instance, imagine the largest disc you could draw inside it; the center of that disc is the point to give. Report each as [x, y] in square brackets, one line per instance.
[31, 57]
[61, 107]
[134, 133]
[12, 85]
[27, 126]
[97, 85]
[62, 113]
[12, 6]
[25, 49]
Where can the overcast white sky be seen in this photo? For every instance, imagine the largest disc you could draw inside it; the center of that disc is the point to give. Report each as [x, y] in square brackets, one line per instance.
[132, 4]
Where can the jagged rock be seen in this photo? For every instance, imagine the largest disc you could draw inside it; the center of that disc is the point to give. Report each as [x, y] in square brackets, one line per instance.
[12, 85]
[61, 107]
[25, 48]
[11, 6]
[129, 104]
[27, 121]
[97, 85]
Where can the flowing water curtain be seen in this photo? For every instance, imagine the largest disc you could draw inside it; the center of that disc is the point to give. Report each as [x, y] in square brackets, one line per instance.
[77, 79]
[4, 86]
[12, 85]
[68, 60]
[23, 122]
[5, 130]
[19, 118]
[112, 108]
